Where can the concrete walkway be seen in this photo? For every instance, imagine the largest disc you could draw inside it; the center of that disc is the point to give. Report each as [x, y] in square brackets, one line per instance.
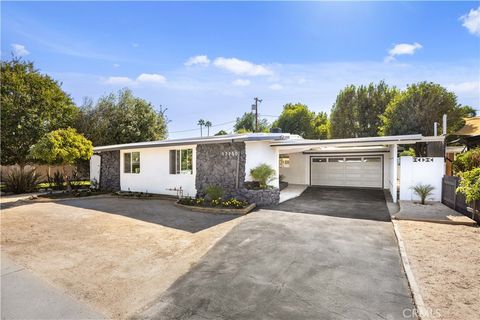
[26, 296]
[431, 212]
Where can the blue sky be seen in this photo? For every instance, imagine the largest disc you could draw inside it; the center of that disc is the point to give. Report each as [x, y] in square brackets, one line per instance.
[208, 60]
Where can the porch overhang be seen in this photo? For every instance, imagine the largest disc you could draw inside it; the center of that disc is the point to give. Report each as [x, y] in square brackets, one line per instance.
[290, 146]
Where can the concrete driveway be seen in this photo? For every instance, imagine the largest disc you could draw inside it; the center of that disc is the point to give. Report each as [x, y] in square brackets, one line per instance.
[291, 265]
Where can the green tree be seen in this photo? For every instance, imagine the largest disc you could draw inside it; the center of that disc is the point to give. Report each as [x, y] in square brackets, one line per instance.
[62, 147]
[121, 118]
[32, 104]
[298, 119]
[221, 133]
[357, 110]
[416, 109]
[322, 128]
[201, 123]
[208, 124]
[246, 123]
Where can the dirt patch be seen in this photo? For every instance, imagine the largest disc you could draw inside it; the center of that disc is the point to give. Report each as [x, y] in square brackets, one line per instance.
[445, 260]
[113, 261]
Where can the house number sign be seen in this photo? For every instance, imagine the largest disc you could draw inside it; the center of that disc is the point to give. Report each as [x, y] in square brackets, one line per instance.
[422, 159]
[229, 154]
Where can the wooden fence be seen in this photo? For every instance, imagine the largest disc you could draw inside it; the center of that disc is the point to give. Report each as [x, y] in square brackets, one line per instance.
[455, 200]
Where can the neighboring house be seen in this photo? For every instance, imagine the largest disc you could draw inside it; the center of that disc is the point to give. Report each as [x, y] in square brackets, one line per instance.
[192, 164]
[466, 138]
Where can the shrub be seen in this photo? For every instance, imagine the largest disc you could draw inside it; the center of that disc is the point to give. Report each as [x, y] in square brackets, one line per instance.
[467, 161]
[423, 191]
[470, 186]
[407, 153]
[214, 192]
[216, 202]
[21, 180]
[234, 203]
[263, 173]
[188, 201]
[199, 201]
[56, 181]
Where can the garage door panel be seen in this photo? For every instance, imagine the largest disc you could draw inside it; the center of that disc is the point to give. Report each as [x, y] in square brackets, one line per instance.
[361, 171]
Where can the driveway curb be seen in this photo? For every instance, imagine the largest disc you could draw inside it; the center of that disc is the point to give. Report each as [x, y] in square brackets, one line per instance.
[414, 288]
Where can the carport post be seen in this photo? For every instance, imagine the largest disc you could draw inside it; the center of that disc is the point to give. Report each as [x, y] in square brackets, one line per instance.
[393, 171]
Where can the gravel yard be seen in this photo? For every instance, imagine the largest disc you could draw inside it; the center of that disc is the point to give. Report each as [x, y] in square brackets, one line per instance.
[445, 260]
[115, 254]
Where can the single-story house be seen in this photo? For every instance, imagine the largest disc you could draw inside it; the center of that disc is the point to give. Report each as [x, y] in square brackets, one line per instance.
[166, 166]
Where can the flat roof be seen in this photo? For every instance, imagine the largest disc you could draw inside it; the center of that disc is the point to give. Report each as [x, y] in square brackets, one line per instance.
[365, 141]
[277, 140]
[200, 140]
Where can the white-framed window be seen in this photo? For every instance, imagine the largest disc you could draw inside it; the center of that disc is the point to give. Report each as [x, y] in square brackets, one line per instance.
[131, 162]
[181, 161]
[284, 162]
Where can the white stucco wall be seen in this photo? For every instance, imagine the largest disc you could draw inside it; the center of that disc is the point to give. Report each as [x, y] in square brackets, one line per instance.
[413, 173]
[299, 170]
[258, 152]
[95, 168]
[392, 161]
[154, 176]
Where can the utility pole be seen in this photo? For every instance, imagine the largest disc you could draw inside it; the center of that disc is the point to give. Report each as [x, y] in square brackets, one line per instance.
[255, 107]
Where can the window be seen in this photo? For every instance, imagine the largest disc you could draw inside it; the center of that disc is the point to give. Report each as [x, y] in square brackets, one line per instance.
[376, 159]
[335, 160]
[131, 162]
[353, 159]
[284, 162]
[319, 160]
[181, 161]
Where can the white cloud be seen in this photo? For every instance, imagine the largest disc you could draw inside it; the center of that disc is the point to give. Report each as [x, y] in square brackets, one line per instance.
[241, 82]
[123, 81]
[116, 65]
[471, 21]
[144, 78]
[468, 87]
[197, 60]
[19, 50]
[151, 78]
[242, 67]
[402, 49]
[276, 87]
[135, 45]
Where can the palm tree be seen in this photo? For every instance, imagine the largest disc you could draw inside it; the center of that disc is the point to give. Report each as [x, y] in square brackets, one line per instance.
[208, 124]
[201, 123]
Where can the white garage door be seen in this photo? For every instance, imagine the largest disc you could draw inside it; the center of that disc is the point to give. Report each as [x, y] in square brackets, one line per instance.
[353, 171]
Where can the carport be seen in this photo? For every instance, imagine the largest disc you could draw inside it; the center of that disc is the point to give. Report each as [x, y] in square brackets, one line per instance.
[370, 162]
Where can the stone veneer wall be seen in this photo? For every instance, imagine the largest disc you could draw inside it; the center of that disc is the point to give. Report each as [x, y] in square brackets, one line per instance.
[110, 170]
[217, 165]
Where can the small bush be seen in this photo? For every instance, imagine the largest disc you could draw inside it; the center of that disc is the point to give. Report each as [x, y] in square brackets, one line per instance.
[214, 192]
[21, 181]
[423, 191]
[467, 161]
[234, 203]
[187, 201]
[470, 186]
[216, 202]
[408, 153]
[56, 182]
[263, 173]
